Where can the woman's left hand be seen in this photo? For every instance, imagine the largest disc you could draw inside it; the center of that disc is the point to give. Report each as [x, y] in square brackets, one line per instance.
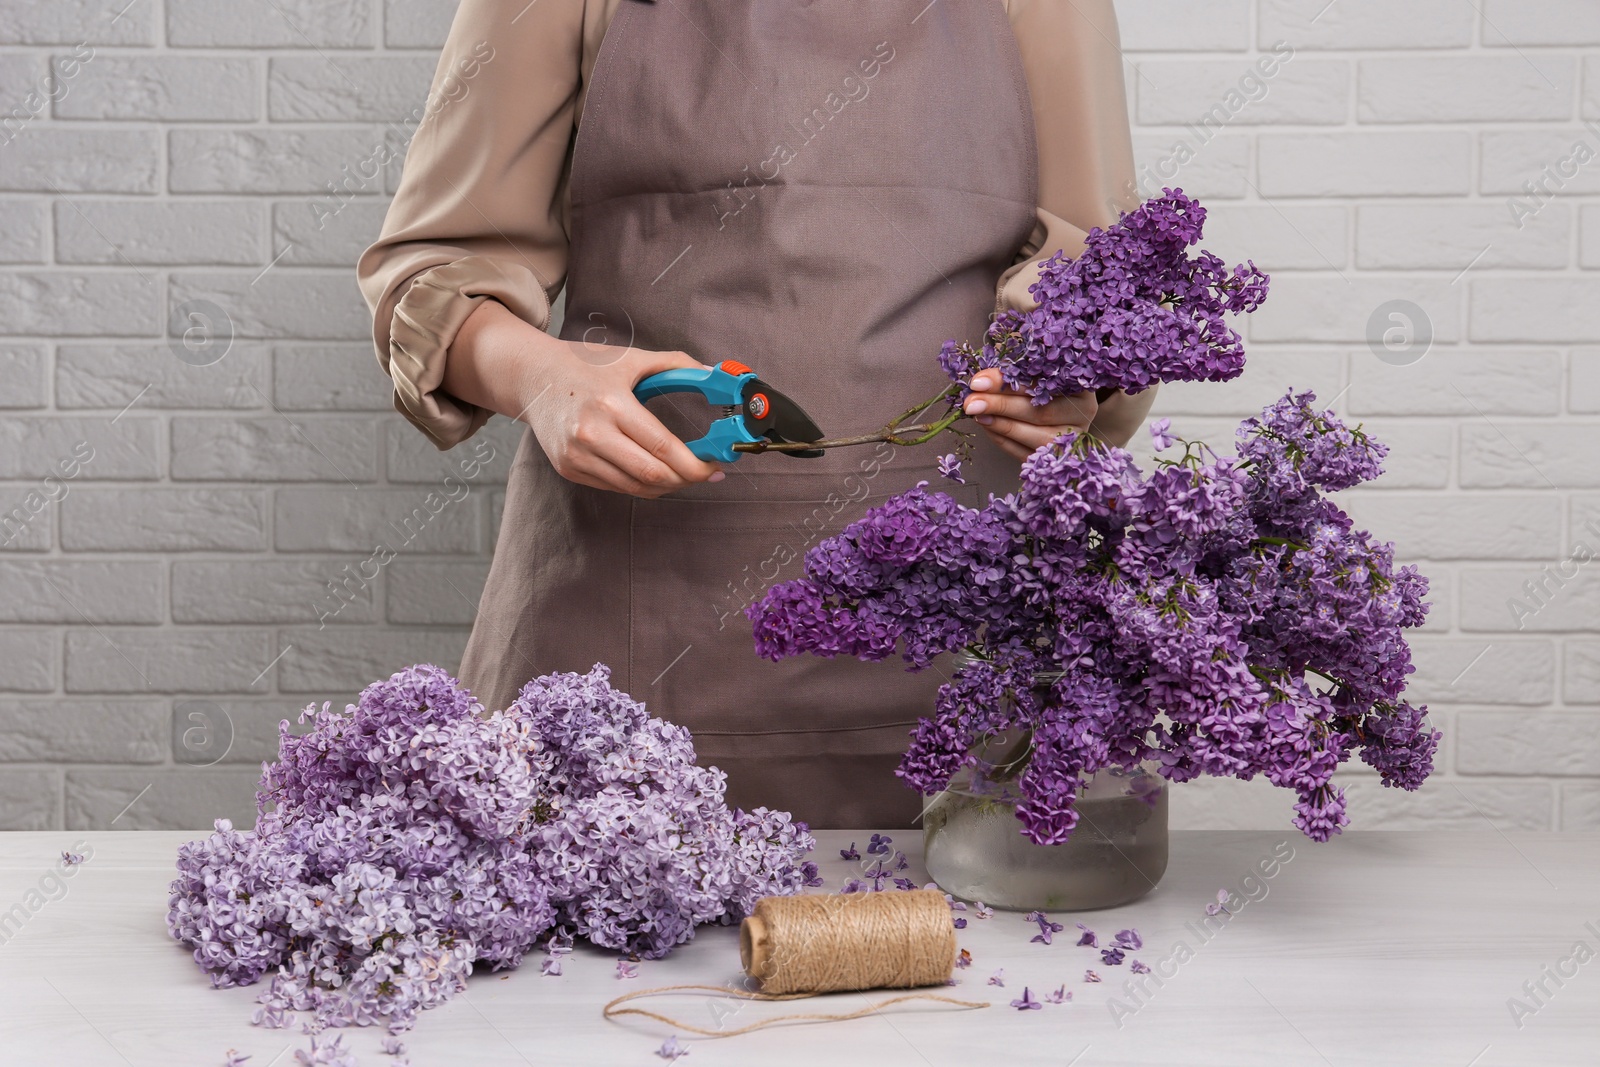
[1015, 423]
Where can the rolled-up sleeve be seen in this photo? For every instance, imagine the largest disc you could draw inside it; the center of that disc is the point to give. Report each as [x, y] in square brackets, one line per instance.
[1072, 58]
[479, 212]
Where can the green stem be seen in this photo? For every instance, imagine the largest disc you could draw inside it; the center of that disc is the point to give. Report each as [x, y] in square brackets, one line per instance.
[1266, 673]
[894, 432]
[1013, 762]
[842, 442]
[947, 393]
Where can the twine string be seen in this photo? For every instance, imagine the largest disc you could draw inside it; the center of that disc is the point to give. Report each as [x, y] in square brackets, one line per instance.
[612, 1010]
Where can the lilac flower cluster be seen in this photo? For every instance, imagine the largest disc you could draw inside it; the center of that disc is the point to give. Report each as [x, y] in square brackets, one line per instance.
[1219, 616]
[1134, 308]
[412, 835]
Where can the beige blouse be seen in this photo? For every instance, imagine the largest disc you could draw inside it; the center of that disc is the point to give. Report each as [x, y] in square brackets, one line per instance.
[482, 209]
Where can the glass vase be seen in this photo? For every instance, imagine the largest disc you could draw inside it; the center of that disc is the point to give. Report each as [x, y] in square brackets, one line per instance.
[974, 847]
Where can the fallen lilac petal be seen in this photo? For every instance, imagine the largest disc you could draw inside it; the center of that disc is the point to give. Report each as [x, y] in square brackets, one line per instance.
[1026, 1001]
[1047, 929]
[326, 1053]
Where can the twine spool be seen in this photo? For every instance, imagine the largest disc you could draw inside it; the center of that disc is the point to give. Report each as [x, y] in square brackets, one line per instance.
[819, 943]
[800, 946]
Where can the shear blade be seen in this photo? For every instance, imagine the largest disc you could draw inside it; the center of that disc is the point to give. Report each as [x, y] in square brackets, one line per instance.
[785, 421]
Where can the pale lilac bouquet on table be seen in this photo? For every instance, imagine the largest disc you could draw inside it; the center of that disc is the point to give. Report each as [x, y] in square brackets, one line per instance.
[405, 839]
[1218, 616]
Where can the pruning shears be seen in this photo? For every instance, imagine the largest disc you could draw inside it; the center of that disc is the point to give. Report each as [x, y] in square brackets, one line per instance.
[752, 410]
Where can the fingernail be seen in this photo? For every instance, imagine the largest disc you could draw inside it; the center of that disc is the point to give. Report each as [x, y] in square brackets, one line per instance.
[717, 477]
[977, 407]
[984, 420]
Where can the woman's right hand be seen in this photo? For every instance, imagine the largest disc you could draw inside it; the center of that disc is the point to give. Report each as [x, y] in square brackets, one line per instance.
[597, 433]
[578, 399]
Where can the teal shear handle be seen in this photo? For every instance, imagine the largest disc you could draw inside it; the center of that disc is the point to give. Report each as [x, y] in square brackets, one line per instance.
[713, 383]
[752, 410]
[723, 386]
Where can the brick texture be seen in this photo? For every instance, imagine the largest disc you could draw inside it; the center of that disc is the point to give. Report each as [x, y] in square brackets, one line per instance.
[180, 539]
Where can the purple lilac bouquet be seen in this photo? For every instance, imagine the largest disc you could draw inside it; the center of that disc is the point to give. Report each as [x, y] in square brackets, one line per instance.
[1131, 310]
[1218, 616]
[404, 839]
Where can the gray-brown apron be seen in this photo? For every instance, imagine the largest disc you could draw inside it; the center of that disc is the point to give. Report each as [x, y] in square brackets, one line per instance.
[825, 190]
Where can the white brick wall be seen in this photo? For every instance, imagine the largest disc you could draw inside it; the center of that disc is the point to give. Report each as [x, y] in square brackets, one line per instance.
[1378, 164]
[211, 511]
[170, 585]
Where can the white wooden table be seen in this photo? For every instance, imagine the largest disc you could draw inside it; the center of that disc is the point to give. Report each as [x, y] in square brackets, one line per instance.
[1377, 948]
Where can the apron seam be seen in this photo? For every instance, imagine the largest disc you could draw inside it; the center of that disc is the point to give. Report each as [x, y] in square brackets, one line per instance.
[1019, 77]
[657, 193]
[719, 529]
[597, 86]
[804, 733]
